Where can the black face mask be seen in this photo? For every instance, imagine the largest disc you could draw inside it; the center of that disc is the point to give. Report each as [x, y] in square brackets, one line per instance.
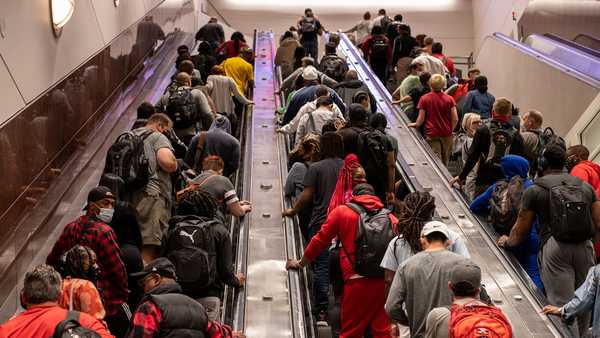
[571, 162]
[93, 274]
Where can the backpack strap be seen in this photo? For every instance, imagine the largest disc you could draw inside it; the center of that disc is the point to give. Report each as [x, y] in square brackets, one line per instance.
[311, 120]
[200, 150]
[71, 295]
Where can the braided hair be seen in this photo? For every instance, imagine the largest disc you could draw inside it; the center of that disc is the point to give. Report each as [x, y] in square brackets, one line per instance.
[74, 260]
[416, 209]
[197, 202]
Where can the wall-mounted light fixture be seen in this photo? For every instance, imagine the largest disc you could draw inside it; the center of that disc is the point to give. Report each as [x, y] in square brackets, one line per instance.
[116, 2]
[61, 12]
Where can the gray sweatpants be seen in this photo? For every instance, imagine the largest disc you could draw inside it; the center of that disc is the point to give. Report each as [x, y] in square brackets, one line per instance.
[563, 268]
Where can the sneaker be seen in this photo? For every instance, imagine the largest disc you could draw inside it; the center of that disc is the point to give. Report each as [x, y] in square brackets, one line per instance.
[322, 318]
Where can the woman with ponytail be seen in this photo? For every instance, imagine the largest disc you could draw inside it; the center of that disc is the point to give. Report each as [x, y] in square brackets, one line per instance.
[351, 174]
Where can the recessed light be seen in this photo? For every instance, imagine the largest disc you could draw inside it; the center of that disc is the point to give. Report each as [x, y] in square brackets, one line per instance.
[61, 12]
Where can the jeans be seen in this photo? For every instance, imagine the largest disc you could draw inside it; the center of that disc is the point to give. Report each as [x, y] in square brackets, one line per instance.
[312, 48]
[320, 275]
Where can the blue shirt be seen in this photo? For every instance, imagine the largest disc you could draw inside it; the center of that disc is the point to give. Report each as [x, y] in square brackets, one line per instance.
[586, 299]
[480, 103]
[305, 95]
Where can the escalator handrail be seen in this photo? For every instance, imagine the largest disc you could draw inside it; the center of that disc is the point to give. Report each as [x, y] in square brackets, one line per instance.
[573, 44]
[545, 58]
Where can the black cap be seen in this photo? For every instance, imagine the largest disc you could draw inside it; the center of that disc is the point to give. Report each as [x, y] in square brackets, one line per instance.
[466, 272]
[97, 194]
[161, 266]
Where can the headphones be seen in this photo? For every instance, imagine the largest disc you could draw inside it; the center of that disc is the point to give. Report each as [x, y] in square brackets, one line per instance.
[359, 96]
[542, 163]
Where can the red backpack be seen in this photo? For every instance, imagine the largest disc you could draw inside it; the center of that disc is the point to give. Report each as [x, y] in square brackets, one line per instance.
[476, 320]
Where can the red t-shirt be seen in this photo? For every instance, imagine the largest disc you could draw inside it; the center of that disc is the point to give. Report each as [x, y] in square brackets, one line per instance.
[438, 113]
[40, 322]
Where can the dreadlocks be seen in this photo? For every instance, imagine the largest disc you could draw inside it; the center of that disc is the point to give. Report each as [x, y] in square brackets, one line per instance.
[332, 145]
[416, 209]
[198, 202]
[79, 262]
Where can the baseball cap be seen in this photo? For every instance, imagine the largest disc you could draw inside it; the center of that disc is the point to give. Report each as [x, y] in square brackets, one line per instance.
[466, 273]
[310, 73]
[97, 194]
[435, 226]
[161, 266]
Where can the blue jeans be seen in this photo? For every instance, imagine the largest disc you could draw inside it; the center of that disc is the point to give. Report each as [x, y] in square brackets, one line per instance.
[320, 274]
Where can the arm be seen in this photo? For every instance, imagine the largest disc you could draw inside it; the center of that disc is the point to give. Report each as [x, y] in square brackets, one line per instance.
[521, 228]
[329, 82]
[353, 29]
[57, 250]
[584, 299]
[166, 160]
[468, 105]
[221, 34]
[391, 173]
[224, 258]
[420, 119]
[481, 203]
[237, 209]
[236, 93]
[388, 276]
[454, 117]
[305, 198]
[322, 240]
[596, 214]
[301, 131]
[396, 297]
[474, 153]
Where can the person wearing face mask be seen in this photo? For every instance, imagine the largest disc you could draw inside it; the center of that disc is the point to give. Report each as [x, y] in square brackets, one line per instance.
[166, 312]
[80, 275]
[91, 230]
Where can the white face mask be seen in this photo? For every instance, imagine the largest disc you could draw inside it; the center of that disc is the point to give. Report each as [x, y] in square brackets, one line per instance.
[105, 215]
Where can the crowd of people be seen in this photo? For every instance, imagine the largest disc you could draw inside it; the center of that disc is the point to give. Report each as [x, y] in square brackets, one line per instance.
[151, 254]
[417, 279]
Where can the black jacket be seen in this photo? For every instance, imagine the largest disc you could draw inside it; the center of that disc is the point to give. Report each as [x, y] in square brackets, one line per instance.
[347, 89]
[478, 152]
[182, 316]
[222, 253]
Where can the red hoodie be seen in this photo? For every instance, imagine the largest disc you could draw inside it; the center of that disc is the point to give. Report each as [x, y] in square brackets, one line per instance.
[588, 172]
[341, 223]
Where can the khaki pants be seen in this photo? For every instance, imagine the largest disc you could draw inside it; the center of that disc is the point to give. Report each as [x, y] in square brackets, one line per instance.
[154, 212]
[212, 305]
[441, 146]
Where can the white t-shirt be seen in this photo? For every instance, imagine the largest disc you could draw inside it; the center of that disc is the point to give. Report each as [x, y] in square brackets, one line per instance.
[399, 250]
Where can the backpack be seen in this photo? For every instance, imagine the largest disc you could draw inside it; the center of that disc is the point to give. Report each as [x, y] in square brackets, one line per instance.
[379, 48]
[476, 320]
[546, 138]
[190, 245]
[372, 152]
[506, 203]
[127, 159]
[308, 25]
[385, 22]
[333, 66]
[181, 108]
[501, 138]
[570, 212]
[373, 235]
[71, 328]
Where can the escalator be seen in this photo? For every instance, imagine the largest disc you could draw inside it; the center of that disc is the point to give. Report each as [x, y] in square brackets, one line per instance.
[507, 283]
[544, 74]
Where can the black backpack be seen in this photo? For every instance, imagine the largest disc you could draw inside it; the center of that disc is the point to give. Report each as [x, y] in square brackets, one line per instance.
[570, 211]
[372, 152]
[181, 108]
[506, 203]
[308, 25]
[373, 235]
[71, 328]
[546, 138]
[127, 159]
[501, 138]
[333, 66]
[385, 22]
[190, 245]
[379, 48]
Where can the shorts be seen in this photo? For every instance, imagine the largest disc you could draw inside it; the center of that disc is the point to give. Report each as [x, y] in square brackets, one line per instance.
[154, 212]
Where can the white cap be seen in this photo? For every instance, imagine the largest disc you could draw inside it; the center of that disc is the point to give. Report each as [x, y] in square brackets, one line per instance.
[310, 73]
[435, 226]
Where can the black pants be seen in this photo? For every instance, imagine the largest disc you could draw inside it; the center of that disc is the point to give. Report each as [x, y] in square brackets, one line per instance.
[118, 323]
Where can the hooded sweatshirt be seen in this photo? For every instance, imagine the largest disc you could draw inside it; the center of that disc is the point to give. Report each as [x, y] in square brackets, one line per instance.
[588, 172]
[341, 223]
[526, 252]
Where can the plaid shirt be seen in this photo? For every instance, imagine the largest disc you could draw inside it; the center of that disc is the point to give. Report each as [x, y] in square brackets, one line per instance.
[112, 282]
[146, 324]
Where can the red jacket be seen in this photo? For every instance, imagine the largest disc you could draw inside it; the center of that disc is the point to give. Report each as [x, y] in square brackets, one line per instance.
[341, 223]
[588, 172]
[40, 322]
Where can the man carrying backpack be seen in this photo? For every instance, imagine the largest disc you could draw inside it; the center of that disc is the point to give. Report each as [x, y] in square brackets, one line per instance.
[468, 314]
[309, 28]
[378, 52]
[166, 312]
[491, 142]
[502, 202]
[569, 214]
[360, 255]
[331, 64]
[43, 315]
[188, 108]
[199, 246]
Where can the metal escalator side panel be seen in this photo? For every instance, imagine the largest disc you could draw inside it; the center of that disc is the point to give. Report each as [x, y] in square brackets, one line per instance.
[267, 309]
[498, 275]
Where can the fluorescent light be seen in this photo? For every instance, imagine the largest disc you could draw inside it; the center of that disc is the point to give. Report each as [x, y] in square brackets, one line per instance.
[61, 12]
[116, 2]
